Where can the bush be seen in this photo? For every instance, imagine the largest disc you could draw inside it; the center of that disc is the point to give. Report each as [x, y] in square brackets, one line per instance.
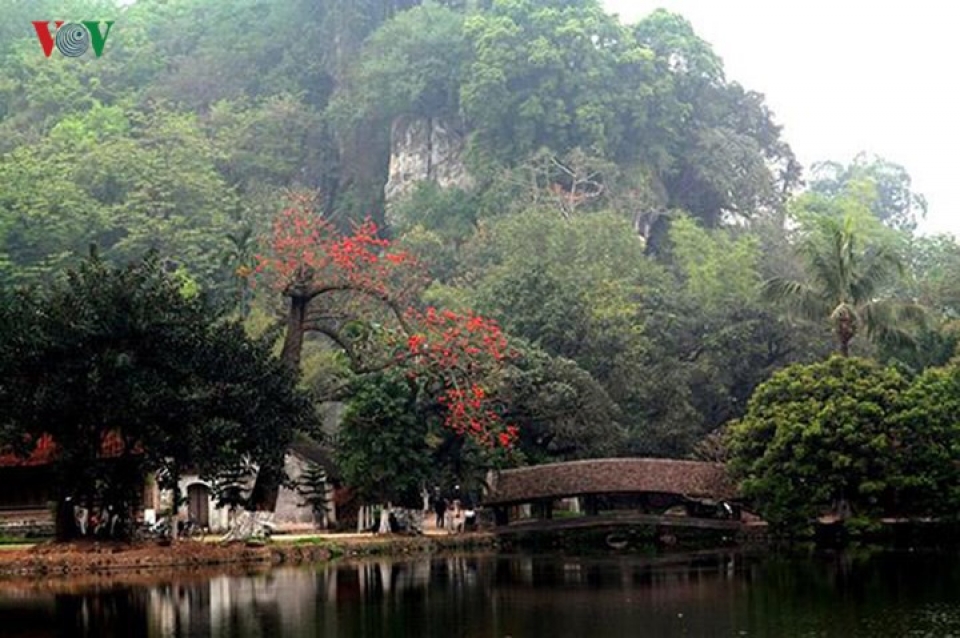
[822, 438]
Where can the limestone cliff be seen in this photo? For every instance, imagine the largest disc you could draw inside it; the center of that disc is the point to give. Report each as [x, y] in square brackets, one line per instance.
[429, 149]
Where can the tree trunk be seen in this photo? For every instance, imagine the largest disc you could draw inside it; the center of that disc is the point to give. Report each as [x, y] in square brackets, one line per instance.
[293, 340]
[362, 525]
[266, 487]
[385, 519]
[174, 508]
[846, 330]
[66, 523]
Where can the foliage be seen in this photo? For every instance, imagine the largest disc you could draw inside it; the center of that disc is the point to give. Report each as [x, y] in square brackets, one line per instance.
[312, 488]
[892, 200]
[627, 197]
[307, 251]
[818, 438]
[382, 448]
[392, 444]
[646, 106]
[346, 286]
[561, 412]
[717, 339]
[929, 430]
[573, 289]
[464, 354]
[434, 223]
[410, 66]
[128, 182]
[120, 359]
[846, 284]
[546, 74]
[719, 269]
[933, 269]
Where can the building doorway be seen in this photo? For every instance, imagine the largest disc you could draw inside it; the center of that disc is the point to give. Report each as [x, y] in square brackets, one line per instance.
[198, 504]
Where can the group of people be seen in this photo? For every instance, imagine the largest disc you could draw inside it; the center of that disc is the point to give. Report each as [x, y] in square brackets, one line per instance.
[452, 514]
[96, 522]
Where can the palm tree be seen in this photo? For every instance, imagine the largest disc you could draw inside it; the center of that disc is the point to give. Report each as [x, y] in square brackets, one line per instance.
[844, 284]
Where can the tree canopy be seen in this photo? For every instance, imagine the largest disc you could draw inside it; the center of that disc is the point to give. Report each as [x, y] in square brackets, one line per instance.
[129, 374]
[849, 439]
[593, 285]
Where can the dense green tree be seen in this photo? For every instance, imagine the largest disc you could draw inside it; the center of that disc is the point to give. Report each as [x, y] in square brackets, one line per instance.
[721, 152]
[933, 274]
[928, 479]
[893, 200]
[571, 288]
[561, 411]
[382, 448]
[410, 66]
[714, 339]
[126, 181]
[546, 74]
[124, 357]
[818, 439]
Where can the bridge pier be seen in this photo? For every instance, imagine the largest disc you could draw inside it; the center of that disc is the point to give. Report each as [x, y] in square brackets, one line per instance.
[543, 509]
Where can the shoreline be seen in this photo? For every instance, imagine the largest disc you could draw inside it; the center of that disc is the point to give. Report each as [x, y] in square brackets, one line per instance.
[84, 558]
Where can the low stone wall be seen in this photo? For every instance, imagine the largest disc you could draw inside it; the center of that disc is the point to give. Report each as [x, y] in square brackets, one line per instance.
[32, 522]
[27, 530]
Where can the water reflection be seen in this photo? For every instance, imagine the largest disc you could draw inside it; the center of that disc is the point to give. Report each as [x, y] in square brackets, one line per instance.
[529, 597]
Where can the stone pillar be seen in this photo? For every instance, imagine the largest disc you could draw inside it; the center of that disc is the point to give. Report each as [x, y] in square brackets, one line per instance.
[591, 506]
[543, 509]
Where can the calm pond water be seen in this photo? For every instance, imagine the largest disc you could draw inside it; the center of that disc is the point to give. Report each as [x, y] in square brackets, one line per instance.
[850, 595]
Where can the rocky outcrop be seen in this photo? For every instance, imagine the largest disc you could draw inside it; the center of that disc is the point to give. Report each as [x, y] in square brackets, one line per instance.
[428, 149]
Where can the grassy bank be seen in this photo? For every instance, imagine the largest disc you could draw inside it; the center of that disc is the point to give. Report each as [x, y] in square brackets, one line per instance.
[91, 557]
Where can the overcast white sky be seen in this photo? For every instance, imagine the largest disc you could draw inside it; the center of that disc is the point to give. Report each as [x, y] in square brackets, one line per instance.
[847, 75]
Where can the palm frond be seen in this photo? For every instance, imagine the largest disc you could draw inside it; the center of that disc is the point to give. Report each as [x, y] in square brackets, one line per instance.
[893, 322]
[800, 298]
[880, 268]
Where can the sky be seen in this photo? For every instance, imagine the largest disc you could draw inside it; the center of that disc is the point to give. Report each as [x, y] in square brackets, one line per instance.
[845, 76]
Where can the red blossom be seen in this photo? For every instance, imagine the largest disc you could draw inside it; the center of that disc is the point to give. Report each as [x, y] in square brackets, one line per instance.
[306, 252]
[305, 248]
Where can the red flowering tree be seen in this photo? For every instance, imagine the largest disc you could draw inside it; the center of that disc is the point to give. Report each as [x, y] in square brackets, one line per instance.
[465, 353]
[331, 278]
[334, 281]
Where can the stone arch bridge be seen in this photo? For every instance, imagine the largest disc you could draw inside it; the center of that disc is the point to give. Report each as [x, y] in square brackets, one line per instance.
[701, 487]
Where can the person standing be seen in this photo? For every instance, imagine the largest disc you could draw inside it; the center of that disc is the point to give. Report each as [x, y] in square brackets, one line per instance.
[440, 507]
[457, 524]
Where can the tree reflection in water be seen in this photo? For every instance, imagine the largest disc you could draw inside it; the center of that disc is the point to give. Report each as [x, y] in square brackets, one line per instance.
[523, 596]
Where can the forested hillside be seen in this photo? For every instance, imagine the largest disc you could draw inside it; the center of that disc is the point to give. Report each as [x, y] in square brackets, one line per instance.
[631, 216]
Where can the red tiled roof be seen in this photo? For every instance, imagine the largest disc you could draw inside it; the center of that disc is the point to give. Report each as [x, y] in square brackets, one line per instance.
[45, 452]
